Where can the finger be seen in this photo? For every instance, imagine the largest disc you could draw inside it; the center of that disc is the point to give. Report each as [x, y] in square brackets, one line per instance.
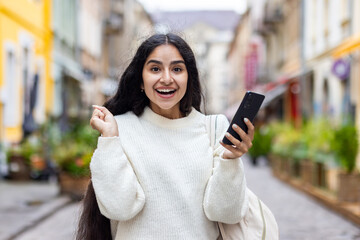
[243, 135]
[251, 128]
[235, 152]
[232, 139]
[231, 148]
[97, 106]
[99, 114]
[102, 109]
[96, 123]
[246, 143]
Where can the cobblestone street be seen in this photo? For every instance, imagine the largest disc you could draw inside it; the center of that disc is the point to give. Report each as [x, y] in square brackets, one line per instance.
[299, 216]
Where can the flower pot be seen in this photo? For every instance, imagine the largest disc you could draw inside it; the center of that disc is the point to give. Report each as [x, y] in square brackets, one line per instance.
[275, 162]
[295, 168]
[286, 167]
[73, 185]
[18, 168]
[348, 187]
[307, 171]
[332, 178]
[320, 175]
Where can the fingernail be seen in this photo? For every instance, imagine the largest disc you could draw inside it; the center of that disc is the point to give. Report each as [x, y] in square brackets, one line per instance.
[227, 134]
[245, 119]
[235, 126]
[96, 106]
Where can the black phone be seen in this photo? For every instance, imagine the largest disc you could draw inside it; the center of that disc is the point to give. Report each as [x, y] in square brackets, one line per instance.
[248, 108]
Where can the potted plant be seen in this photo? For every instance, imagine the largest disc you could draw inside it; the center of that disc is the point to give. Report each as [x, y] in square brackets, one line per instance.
[25, 159]
[72, 153]
[261, 144]
[286, 139]
[345, 145]
[317, 137]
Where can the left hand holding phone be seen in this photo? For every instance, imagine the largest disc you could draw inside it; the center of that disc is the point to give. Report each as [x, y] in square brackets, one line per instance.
[239, 148]
[103, 121]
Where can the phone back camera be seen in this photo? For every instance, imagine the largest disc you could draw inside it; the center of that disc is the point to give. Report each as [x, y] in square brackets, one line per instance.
[247, 104]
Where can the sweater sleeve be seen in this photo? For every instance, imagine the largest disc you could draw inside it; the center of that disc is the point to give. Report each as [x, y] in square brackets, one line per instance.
[225, 197]
[118, 192]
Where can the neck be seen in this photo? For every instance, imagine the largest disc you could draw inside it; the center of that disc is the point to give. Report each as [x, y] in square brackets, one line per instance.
[173, 113]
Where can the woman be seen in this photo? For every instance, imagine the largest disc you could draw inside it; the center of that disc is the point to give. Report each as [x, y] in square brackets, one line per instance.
[154, 172]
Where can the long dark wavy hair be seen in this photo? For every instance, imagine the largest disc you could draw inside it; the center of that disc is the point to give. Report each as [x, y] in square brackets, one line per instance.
[129, 97]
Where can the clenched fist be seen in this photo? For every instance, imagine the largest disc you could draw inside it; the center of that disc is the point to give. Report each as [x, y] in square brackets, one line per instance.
[103, 121]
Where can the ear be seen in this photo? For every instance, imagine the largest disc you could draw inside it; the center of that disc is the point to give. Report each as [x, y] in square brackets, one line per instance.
[142, 86]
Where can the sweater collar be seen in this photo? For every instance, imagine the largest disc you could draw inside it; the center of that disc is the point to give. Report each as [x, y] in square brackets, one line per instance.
[161, 121]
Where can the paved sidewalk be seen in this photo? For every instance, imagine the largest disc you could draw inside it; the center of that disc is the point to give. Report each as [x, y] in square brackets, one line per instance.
[25, 204]
[60, 226]
[299, 216]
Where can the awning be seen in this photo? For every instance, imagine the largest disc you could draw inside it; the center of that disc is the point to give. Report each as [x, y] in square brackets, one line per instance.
[69, 67]
[274, 93]
[347, 46]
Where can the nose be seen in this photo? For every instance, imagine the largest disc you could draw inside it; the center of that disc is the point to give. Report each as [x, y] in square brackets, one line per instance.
[166, 78]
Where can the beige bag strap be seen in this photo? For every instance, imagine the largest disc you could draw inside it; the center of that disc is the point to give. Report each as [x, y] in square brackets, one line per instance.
[263, 220]
[211, 122]
[222, 231]
[211, 128]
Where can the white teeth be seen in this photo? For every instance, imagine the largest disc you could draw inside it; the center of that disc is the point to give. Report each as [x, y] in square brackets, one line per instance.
[165, 90]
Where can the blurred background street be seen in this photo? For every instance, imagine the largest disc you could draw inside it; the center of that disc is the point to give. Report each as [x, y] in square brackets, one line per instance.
[45, 215]
[59, 57]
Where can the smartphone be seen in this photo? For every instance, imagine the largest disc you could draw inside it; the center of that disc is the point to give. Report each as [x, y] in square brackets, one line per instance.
[248, 108]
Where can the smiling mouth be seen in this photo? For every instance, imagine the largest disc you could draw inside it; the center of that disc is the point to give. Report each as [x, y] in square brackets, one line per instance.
[165, 91]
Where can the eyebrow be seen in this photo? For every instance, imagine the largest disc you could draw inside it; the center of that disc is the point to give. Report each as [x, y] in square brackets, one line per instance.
[171, 63]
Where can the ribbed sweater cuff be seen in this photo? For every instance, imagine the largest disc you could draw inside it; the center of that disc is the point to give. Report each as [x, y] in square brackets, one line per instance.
[108, 143]
[231, 165]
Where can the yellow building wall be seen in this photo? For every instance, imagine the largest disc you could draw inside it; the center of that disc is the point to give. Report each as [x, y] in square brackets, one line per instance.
[30, 11]
[32, 19]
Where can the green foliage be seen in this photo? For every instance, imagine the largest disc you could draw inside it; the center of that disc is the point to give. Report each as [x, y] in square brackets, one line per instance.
[286, 139]
[318, 135]
[73, 151]
[345, 145]
[318, 140]
[261, 142]
[26, 149]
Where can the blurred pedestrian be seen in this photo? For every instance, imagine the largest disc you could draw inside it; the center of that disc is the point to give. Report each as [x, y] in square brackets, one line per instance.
[154, 173]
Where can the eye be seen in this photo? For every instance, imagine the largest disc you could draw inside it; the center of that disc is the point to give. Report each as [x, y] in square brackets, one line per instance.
[155, 69]
[177, 69]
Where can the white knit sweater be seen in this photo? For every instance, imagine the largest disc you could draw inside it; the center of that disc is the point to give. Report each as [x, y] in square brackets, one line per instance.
[157, 181]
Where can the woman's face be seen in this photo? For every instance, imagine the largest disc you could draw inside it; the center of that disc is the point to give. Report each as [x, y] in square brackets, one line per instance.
[165, 79]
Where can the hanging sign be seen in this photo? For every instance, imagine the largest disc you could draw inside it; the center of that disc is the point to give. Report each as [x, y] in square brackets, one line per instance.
[341, 68]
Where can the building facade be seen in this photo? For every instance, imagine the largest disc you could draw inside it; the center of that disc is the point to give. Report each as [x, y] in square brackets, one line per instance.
[119, 27]
[238, 57]
[67, 69]
[325, 28]
[25, 70]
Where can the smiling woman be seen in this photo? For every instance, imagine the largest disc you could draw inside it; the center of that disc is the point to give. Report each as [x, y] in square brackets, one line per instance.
[153, 174]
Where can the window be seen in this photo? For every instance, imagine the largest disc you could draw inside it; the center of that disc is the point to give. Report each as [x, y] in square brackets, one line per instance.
[25, 76]
[10, 90]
